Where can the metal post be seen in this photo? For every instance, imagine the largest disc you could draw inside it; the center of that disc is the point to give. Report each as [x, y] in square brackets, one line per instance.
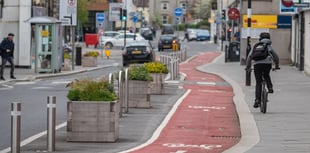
[111, 78]
[51, 123]
[220, 25]
[126, 98]
[248, 49]
[15, 127]
[171, 69]
[120, 91]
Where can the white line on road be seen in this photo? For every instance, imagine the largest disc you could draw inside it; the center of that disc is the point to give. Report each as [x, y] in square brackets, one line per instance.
[41, 88]
[61, 82]
[24, 83]
[32, 138]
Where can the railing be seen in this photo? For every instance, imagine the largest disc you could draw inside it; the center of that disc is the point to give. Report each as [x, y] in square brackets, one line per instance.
[172, 60]
[121, 89]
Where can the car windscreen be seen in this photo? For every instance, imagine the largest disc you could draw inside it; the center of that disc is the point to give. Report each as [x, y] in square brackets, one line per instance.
[110, 34]
[166, 37]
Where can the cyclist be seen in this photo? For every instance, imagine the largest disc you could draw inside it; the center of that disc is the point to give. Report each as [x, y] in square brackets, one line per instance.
[262, 67]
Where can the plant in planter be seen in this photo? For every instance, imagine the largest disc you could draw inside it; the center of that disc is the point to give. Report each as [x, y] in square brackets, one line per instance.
[139, 87]
[158, 71]
[93, 112]
[89, 59]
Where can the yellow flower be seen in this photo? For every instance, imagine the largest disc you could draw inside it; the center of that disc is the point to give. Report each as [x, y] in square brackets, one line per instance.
[92, 53]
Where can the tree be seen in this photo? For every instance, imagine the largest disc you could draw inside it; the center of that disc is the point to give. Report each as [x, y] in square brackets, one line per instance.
[202, 9]
[156, 20]
[82, 12]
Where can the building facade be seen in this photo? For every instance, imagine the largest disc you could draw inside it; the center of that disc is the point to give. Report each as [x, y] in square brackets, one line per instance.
[164, 9]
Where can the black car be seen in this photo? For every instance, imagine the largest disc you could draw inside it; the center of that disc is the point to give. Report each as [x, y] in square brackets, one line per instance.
[167, 29]
[146, 33]
[138, 52]
[165, 42]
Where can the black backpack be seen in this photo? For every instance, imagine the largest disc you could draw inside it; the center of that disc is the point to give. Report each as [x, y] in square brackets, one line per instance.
[260, 51]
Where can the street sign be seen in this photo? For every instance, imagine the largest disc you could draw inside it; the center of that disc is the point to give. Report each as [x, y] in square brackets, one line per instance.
[131, 13]
[134, 19]
[100, 17]
[178, 12]
[68, 8]
[233, 13]
[301, 4]
[287, 3]
[114, 11]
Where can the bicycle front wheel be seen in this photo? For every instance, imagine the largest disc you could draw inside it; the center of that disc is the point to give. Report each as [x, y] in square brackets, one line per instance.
[264, 99]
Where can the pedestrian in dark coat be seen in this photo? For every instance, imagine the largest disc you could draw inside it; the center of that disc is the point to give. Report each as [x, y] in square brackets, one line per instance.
[7, 55]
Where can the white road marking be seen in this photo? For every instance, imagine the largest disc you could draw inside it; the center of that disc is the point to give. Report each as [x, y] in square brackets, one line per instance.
[41, 88]
[24, 83]
[61, 82]
[207, 83]
[206, 108]
[32, 138]
[6, 87]
[201, 146]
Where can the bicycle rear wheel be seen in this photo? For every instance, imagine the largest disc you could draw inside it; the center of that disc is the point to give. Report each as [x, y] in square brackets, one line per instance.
[264, 98]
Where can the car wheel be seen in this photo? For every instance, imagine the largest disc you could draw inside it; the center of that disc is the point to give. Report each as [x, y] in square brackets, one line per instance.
[109, 45]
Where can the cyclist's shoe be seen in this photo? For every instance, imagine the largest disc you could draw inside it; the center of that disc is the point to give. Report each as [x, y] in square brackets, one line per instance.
[256, 103]
[270, 90]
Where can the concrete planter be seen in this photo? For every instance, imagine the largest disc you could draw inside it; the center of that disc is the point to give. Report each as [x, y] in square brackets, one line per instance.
[139, 94]
[89, 121]
[89, 61]
[67, 65]
[157, 85]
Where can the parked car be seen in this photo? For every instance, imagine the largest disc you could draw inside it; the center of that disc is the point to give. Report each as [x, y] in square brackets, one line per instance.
[165, 42]
[118, 40]
[107, 35]
[192, 34]
[146, 33]
[138, 52]
[203, 35]
[167, 29]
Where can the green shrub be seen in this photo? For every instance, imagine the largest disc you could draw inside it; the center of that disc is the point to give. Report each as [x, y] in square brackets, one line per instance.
[139, 73]
[156, 67]
[90, 90]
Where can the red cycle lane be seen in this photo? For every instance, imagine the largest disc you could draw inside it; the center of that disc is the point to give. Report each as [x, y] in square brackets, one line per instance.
[205, 121]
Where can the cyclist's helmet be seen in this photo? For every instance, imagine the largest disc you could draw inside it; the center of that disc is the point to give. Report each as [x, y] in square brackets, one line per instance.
[264, 35]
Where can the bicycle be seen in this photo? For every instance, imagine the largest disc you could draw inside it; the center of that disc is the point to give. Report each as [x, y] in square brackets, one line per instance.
[264, 94]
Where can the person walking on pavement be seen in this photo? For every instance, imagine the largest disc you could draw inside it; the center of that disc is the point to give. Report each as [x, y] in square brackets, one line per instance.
[262, 67]
[7, 54]
[186, 35]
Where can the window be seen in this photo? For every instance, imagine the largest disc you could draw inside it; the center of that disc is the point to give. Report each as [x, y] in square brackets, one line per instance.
[165, 6]
[165, 19]
[183, 6]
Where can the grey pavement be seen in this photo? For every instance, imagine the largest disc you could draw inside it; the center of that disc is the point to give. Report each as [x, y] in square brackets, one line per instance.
[283, 129]
[27, 74]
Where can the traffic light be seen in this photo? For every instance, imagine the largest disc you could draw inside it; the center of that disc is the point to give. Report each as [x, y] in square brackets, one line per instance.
[223, 14]
[121, 14]
[214, 5]
[124, 15]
